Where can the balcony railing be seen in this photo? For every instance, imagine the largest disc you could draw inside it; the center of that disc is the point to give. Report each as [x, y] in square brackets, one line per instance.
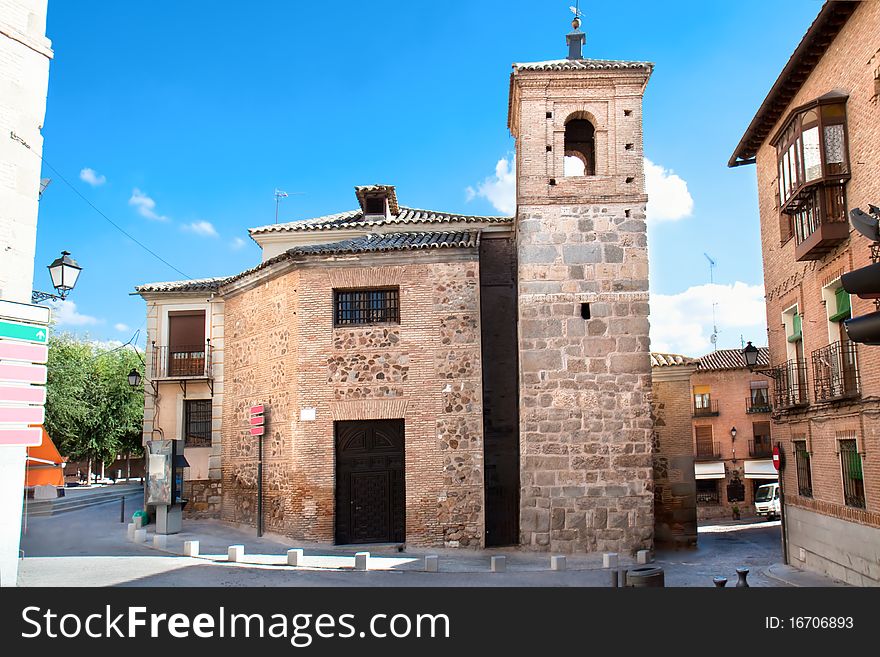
[760, 449]
[790, 390]
[820, 220]
[182, 362]
[836, 372]
[707, 451]
[705, 411]
[758, 405]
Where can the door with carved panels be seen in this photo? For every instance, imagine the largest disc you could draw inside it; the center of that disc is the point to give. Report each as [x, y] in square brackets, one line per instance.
[370, 494]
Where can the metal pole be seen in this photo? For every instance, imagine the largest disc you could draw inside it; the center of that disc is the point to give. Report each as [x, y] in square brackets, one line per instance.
[122, 509]
[782, 504]
[260, 488]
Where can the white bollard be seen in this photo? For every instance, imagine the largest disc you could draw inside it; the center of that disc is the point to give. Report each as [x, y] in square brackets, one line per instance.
[294, 557]
[190, 548]
[360, 560]
[235, 553]
[139, 522]
[130, 532]
[432, 563]
[643, 556]
[160, 541]
[609, 560]
[499, 564]
[140, 535]
[557, 562]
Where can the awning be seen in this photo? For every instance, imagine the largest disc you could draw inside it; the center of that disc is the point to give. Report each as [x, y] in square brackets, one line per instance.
[762, 469]
[44, 464]
[711, 470]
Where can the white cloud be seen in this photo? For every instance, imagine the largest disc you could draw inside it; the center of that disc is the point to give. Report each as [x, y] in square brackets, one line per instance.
[121, 327]
[237, 243]
[145, 205]
[668, 196]
[92, 177]
[500, 189]
[65, 314]
[203, 228]
[682, 323]
[106, 345]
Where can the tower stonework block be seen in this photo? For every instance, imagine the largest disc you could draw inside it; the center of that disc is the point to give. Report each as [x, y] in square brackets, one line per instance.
[582, 275]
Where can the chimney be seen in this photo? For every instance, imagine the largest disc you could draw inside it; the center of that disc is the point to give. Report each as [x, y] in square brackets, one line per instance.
[575, 40]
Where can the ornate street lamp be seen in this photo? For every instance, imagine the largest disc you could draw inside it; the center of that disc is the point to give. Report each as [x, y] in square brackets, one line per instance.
[733, 433]
[134, 379]
[64, 272]
[750, 353]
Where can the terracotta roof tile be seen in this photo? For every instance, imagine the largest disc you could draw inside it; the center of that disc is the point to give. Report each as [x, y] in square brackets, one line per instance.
[670, 360]
[732, 359]
[580, 65]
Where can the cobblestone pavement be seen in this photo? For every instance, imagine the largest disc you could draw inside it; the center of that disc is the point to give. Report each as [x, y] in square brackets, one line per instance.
[90, 548]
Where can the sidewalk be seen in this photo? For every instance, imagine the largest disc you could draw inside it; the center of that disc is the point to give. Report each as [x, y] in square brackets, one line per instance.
[801, 578]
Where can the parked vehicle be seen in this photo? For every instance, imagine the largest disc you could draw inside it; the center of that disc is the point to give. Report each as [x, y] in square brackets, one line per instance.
[767, 501]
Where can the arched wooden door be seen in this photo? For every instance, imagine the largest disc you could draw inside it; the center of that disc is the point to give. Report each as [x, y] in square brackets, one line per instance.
[370, 493]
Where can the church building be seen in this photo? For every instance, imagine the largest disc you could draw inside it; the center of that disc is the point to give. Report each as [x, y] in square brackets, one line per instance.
[435, 378]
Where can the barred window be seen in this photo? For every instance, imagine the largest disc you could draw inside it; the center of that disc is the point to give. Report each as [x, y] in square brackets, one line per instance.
[853, 479]
[707, 491]
[367, 306]
[197, 423]
[804, 471]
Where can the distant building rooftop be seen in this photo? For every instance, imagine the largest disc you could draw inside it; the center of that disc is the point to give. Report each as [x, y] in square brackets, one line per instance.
[732, 359]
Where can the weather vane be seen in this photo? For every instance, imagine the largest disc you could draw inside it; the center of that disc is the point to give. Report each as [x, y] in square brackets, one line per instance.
[576, 21]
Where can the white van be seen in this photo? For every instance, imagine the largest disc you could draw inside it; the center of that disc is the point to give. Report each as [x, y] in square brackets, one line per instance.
[767, 500]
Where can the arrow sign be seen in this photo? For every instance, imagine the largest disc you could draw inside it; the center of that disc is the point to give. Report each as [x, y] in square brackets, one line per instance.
[26, 437]
[257, 420]
[22, 373]
[257, 410]
[22, 414]
[24, 332]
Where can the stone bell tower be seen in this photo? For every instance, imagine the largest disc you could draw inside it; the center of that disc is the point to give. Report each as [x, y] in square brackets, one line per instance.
[585, 374]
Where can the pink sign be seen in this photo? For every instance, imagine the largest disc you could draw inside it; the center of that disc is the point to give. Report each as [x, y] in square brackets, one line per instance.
[22, 414]
[257, 421]
[256, 431]
[32, 353]
[256, 410]
[25, 394]
[23, 373]
[28, 437]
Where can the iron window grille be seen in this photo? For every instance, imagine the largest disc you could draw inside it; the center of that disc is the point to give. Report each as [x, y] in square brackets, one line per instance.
[369, 306]
[853, 478]
[835, 372]
[197, 423]
[707, 491]
[804, 472]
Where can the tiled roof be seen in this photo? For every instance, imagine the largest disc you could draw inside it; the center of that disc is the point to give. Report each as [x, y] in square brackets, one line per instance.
[670, 360]
[193, 285]
[355, 219]
[389, 191]
[580, 65]
[732, 359]
[375, 243]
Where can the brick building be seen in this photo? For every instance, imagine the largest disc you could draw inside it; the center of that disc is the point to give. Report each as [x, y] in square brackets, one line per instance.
[730, 409]
[816, 143]
[431, 377]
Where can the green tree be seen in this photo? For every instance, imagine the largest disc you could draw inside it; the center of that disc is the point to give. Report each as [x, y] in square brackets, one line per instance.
[91, 412]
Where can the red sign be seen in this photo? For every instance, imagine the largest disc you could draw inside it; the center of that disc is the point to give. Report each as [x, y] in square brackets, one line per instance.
[257, 431]
[776, 458]
[257, 410]
[257, 420]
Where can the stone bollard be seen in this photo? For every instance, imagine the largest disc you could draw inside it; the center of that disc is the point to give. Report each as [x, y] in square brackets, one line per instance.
[643, 556]
[614, 576]
[720, 582]
[557, 562]
[361, 560]
[499, 564]
[160, 541]
[190, 548]
[432, 563]
[139, 522]
[742, 574]
[140, 535]
[235, 553]
[130, 532]
[294, 557]
[609, 560]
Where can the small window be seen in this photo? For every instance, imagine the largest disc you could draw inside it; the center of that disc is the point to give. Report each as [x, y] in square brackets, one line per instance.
[358, 307]
[804, 472]
[197, 423]
[374, 205]
[853, 478]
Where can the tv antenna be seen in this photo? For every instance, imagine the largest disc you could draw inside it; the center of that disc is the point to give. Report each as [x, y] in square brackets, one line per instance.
[714, 337]
[280, 195]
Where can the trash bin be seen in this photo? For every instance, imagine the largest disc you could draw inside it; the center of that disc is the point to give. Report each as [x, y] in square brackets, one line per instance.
[140, 514]
[645, 576]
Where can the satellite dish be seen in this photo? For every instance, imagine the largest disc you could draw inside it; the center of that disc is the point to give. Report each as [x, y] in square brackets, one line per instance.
[865, 224]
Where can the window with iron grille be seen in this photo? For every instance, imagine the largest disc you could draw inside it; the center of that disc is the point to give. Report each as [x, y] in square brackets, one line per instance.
[853, 479]
[707, 491]
[366, 306]
[804, 472]
[197, 423]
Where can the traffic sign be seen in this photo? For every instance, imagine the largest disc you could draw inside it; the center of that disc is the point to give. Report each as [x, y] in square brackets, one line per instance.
[22, 373]
[25, 332]
[257, 420]
[22, 414]
[257, 410]
[26, 394]
[776, 458]
[257, 431]
[23, 436]
[24, 312]
[30, 353]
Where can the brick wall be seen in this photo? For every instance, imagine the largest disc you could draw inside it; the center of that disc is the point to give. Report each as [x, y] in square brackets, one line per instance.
[282, 350]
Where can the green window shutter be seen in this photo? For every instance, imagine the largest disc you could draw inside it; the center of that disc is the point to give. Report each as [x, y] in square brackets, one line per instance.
[795, 328]
[844, 311]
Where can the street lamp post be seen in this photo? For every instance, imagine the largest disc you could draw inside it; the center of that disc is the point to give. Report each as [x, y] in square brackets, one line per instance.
[64, 272]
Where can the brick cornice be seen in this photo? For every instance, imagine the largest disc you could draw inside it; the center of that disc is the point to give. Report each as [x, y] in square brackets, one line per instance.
[369, 409]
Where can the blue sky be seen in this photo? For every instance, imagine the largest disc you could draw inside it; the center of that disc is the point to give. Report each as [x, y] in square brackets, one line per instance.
[179, 119]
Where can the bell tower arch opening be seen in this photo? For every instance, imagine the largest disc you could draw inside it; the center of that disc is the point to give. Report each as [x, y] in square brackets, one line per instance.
[580, 146]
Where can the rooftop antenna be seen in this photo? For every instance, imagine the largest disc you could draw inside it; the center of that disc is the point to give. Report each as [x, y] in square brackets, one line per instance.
[280, 195]
[714, 337]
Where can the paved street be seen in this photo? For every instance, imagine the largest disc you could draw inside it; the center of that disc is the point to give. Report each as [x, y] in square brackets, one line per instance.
[89, 547]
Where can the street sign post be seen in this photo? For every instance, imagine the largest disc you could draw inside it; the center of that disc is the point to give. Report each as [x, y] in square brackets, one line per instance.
[257, 429]
[776, 458]
[24, 332]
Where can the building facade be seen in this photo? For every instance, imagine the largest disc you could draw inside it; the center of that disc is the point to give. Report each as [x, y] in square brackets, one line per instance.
[816, 143]
[25, 53]
[732, 443]
[435, 378]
